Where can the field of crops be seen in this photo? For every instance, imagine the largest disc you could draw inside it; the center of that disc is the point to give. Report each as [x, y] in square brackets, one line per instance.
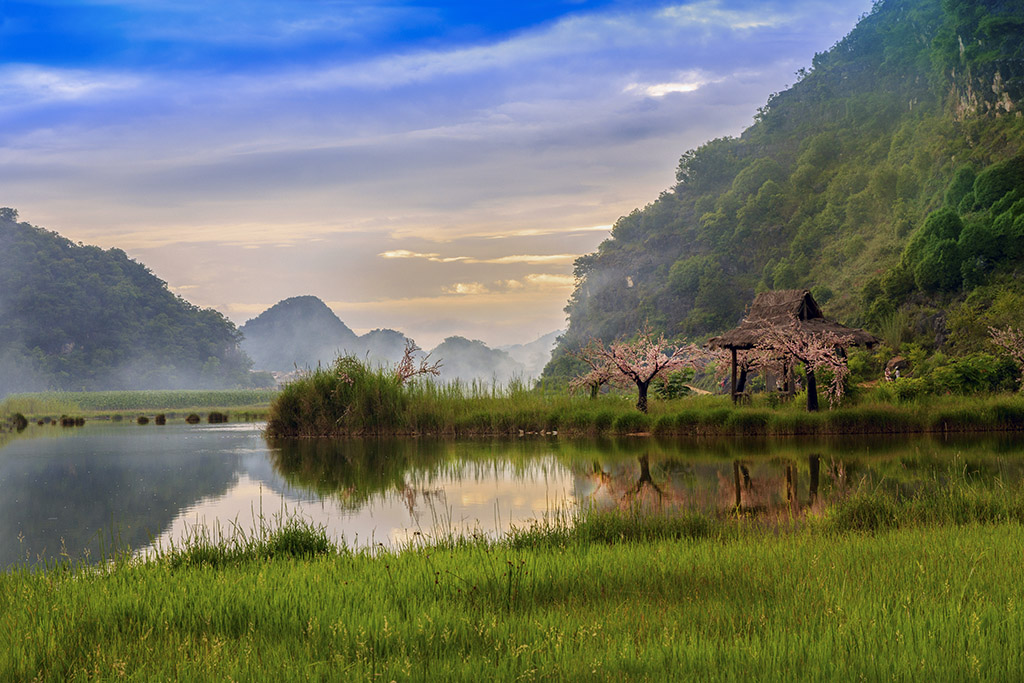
[75, 402]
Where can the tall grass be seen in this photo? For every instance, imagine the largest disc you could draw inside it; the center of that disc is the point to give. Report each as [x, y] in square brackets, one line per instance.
[613, 601]
[351, 399]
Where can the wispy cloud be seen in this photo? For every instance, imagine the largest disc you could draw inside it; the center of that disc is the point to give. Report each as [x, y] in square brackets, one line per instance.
[685, 82]
[577, 34]
[535, 259]
[712, 13]
[466, 288]
[405, 253]
[549, 280]
[30, 84]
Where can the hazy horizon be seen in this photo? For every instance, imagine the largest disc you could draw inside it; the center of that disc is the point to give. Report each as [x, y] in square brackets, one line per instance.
[430, 168]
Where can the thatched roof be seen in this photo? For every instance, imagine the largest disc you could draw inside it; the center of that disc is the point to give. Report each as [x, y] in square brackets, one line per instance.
[778, 309]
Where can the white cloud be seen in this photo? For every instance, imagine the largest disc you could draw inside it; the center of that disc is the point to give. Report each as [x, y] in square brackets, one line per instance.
[29, 84]
[549, 280]
[710, 13]
[437, 258]
[467, 288]
[578, 34]
[535, 259]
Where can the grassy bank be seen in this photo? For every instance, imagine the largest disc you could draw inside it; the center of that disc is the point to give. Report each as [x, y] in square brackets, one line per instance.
[616, 597]
[363, 401]
[253, 403]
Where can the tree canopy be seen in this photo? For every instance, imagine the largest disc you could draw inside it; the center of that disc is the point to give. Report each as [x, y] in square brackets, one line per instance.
[78, 317]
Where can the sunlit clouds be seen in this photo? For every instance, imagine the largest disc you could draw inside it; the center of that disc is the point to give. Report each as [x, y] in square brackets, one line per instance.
[514, 258]
[433, 168]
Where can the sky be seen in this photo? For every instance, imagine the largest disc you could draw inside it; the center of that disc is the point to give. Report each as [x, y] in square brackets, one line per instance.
[429, 167]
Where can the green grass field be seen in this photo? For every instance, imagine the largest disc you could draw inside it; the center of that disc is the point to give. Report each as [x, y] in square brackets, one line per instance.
[931, 602]
[106, 404]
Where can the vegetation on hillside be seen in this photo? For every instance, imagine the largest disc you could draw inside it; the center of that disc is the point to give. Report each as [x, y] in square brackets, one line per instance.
[76, 317]
[889, 180]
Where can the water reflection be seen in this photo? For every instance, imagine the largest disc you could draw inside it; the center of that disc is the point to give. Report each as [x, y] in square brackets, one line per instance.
[65, 490]
[81, 493]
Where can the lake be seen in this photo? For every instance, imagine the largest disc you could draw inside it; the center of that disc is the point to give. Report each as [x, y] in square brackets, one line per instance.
[77, 492]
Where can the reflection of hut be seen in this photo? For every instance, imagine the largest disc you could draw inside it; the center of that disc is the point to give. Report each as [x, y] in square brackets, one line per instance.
[778, 309]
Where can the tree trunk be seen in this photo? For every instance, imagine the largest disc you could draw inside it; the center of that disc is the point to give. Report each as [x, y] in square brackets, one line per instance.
[812, 391]
[641, 401]
[594, 388]
[732, 385]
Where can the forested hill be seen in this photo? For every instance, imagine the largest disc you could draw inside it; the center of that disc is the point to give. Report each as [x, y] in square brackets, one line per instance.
[78, 317]
[888, 180]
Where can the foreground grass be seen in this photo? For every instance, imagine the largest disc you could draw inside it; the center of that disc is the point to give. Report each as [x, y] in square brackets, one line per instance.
[682, 601]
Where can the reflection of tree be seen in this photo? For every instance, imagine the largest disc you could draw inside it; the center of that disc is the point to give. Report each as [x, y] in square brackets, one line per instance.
[354, 470]
[626, 486]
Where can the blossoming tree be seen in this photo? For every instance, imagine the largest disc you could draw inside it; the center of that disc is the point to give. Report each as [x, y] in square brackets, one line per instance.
[821, 350]
[638, 362]
[600, 373]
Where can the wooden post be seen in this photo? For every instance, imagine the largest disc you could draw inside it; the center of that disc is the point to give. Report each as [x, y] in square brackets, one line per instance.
[732, 391]
[736, 481]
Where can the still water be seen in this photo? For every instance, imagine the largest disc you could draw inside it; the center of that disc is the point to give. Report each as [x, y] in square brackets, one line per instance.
[76, 492]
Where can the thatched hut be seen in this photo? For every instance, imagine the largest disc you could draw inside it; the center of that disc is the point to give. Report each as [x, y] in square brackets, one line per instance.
[778, 309]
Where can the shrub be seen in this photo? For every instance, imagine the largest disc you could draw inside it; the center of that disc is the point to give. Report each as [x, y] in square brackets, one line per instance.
[604, 420]
[748, 422]
[909, 388]
[348, 397]
[631, 423]
[998, 179]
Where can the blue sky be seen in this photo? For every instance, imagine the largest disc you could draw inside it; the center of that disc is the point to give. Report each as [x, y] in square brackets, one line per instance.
[432, 167]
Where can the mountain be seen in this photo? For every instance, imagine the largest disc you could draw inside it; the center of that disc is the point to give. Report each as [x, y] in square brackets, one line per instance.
[79, 317]
[889, 180]
[472, 360]
[301, 331]
[534, 355]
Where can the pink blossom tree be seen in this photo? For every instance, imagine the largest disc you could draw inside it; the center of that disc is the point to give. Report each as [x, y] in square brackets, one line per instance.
[639, 361]
[821, 350]
[1011, 342]
[601, 372]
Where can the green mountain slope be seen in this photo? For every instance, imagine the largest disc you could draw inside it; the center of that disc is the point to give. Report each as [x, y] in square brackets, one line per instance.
[78, 317]
[915, 111]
